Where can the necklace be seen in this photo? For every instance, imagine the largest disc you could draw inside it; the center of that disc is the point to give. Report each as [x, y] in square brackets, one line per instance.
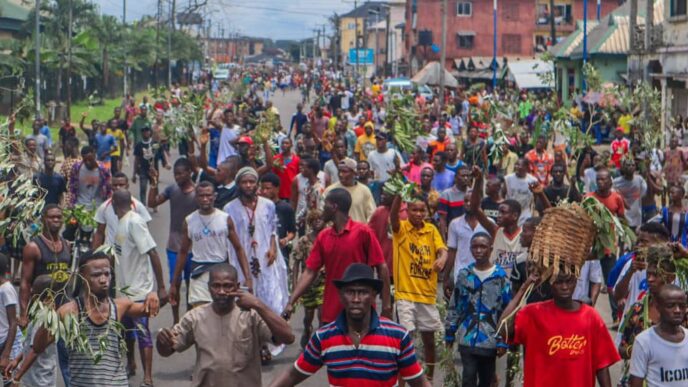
[206, 230]
[53, 245]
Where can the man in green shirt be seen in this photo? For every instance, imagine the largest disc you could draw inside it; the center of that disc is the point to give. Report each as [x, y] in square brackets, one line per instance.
[141, 121]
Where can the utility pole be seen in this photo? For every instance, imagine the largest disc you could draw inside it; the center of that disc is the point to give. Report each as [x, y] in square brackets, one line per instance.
[443, 51]
[585, 39]
[316, 37]
[169, 46]
[324, 38]
[126, 68]
[633, 37]
[37, 56]
[157, 44]
[494, 46]
[552, 24]
[335, 45]
[387, 43]
[356, 30]
[69, 62]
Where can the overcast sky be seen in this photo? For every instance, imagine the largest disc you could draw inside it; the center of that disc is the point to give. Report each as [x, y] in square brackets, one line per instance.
[275, 19]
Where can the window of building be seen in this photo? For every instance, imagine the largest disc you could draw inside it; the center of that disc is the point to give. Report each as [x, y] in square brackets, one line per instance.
[511, 43]
[465, 40]
[679, 7]
[510, 11]
[351, 26]
[464, 8]
[563, 14]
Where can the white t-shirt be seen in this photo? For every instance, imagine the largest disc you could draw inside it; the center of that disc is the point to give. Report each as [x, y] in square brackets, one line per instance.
[105, 214]
[133, 268]
[632, 191]
[518, 189]
[330, 170]
[8, 297]
[636, 286]
[590, 180]
[380, 163]
[590, 272]
[459, 236]
[226, 149]
[507, 252]
[208, 234]
[661, 363]
[483, 274]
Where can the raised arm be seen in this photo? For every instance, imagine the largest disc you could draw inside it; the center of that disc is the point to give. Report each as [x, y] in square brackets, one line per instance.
[154, 199]
[267, 167]
[476, 198]
[394, 214]
[279, 327]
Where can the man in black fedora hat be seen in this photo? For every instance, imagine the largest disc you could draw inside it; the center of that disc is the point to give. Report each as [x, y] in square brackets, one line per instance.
[339, 345]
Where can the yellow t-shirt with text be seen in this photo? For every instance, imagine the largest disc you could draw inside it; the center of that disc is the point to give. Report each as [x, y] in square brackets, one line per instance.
[119, 138]
[415, 251]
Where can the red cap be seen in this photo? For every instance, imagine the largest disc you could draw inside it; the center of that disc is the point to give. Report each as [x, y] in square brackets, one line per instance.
[245, 139]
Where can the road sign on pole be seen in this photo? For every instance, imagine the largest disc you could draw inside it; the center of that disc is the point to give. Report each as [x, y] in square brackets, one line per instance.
[365, 56]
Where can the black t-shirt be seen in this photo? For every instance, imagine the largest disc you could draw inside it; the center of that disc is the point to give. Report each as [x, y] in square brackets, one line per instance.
[286, 218]
[556, 195]
[226, 195]
[542, 292]
[522, 149]
[54, 185]
[490, 208]
[287, 222]
[145, 153]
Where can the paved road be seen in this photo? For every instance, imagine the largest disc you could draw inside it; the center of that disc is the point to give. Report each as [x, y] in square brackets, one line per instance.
[176, 371]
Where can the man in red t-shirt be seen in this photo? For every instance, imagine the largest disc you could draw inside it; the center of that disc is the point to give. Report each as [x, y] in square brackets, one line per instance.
[286, 166]
[337, 247]
[615, 203]
[620, 146]
[566, 342]
[540, 162]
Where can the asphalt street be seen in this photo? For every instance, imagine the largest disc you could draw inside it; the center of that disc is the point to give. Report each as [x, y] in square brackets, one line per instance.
[175, 371]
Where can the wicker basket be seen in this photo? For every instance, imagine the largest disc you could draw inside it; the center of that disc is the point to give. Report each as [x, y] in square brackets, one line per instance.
[562, 241]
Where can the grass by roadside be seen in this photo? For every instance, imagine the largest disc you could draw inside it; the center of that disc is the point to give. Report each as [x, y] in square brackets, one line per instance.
[100, 112]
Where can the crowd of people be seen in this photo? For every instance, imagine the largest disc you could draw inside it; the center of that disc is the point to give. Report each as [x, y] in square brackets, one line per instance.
[308, 219]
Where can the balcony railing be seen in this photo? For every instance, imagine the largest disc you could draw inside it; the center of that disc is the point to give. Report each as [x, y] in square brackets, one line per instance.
[558, 20]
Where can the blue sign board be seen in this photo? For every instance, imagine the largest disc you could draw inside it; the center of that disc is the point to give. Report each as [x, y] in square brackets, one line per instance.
[365, 56]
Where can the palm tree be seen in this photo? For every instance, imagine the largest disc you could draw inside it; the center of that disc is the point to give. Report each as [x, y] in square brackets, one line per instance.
[109, 33]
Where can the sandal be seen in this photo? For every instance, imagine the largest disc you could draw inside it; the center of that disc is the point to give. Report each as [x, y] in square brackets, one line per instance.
[144, 384]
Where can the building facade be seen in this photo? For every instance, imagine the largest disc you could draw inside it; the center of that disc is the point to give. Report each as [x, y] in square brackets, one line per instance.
[523, 27]
[673, 57]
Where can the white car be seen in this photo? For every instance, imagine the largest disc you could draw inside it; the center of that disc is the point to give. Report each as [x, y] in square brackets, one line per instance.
[396, 87]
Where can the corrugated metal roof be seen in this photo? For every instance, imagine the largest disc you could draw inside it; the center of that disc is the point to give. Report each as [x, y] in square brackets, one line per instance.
[618, 39]
[611, 36]
[527, 73]
[566, 46]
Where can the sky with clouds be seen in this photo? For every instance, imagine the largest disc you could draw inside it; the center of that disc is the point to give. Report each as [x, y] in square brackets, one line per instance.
[275, 19]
